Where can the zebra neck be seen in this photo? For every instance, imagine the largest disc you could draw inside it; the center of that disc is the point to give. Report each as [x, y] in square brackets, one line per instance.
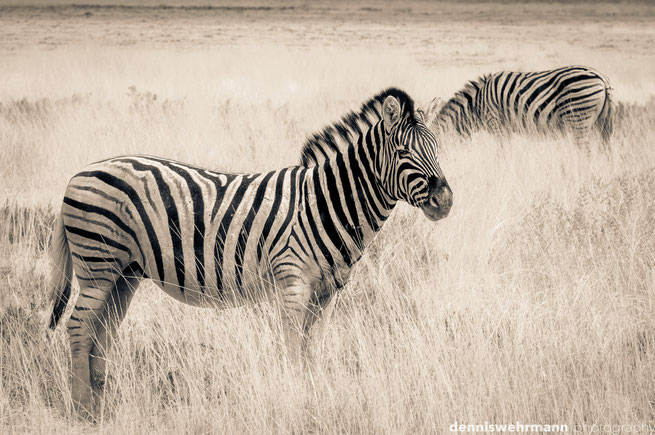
[366, 187]
[460, 112]
[345, 200]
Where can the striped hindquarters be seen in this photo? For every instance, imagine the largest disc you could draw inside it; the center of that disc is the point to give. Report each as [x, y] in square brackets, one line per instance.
[569, 98]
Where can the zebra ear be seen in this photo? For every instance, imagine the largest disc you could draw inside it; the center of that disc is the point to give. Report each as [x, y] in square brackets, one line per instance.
[390, 112]
[431, 112]
[419, 114]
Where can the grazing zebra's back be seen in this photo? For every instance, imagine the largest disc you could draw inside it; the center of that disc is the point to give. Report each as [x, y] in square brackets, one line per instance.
[572, 99]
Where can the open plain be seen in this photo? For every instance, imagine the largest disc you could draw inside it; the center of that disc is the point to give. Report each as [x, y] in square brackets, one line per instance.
[534, 301]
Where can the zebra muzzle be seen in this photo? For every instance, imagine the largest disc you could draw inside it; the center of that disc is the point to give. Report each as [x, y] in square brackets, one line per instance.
[440, 200]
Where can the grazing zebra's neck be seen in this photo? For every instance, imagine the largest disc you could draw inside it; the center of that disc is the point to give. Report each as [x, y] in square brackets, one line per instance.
[460, 113]
[337, 137]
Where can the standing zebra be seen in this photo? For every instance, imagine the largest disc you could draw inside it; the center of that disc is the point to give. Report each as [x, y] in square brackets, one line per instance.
[218, 239]
[570, 99]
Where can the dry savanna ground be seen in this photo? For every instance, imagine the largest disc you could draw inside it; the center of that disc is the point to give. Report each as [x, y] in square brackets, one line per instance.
[534, 301]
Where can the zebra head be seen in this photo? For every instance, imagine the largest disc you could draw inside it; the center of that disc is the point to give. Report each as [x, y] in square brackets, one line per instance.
[407, 163]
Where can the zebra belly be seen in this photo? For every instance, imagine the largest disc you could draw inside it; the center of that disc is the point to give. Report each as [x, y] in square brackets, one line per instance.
[255, 287]
[229, 273]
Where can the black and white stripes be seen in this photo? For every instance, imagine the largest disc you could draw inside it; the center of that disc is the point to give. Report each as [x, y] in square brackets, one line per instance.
[571, 99]
[224, 239]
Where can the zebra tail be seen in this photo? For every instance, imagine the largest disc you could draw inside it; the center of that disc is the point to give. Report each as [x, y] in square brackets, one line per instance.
[605, 122]
[61, 273]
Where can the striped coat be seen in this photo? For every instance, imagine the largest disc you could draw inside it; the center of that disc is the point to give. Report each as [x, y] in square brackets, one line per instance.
[220, 239]
[572, 99]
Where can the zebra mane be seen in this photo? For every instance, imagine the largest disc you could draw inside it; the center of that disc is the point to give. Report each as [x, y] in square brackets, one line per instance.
[335, 138]
[461, 106]
[467, 93]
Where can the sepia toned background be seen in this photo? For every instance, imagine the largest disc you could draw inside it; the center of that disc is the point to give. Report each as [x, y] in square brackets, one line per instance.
[533, 301]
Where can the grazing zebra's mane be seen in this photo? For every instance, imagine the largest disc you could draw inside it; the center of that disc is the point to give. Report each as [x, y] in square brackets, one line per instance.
[466, 96]
[335, 138]
[472, 86]
[463, 106]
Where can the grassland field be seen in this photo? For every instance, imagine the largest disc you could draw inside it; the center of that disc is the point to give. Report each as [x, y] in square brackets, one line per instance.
[534, 301]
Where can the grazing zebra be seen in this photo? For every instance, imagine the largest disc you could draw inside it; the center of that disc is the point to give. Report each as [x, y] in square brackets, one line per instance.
[219, 239]
[570, 99]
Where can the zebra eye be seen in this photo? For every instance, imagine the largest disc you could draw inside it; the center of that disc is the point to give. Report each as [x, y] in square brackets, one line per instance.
[403, 152]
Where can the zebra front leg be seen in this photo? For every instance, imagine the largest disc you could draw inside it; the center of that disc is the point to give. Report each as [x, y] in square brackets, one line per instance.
[321, 312]
[117, 304]
[82, 331]
[294, 312]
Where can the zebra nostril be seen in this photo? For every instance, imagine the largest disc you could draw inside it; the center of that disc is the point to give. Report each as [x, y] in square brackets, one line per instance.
[440, 194]
[441, 198]
[446, 199]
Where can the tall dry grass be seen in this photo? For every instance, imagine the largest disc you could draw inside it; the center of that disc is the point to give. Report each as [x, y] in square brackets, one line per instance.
[532, 301]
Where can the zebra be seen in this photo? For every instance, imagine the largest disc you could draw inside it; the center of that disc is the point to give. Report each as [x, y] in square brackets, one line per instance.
[569, 99]
[210, 238]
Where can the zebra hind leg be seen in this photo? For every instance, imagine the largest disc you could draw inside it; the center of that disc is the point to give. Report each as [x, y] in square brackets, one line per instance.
[581, 137]
[82, 331]
[118, 302]
[579, 128]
